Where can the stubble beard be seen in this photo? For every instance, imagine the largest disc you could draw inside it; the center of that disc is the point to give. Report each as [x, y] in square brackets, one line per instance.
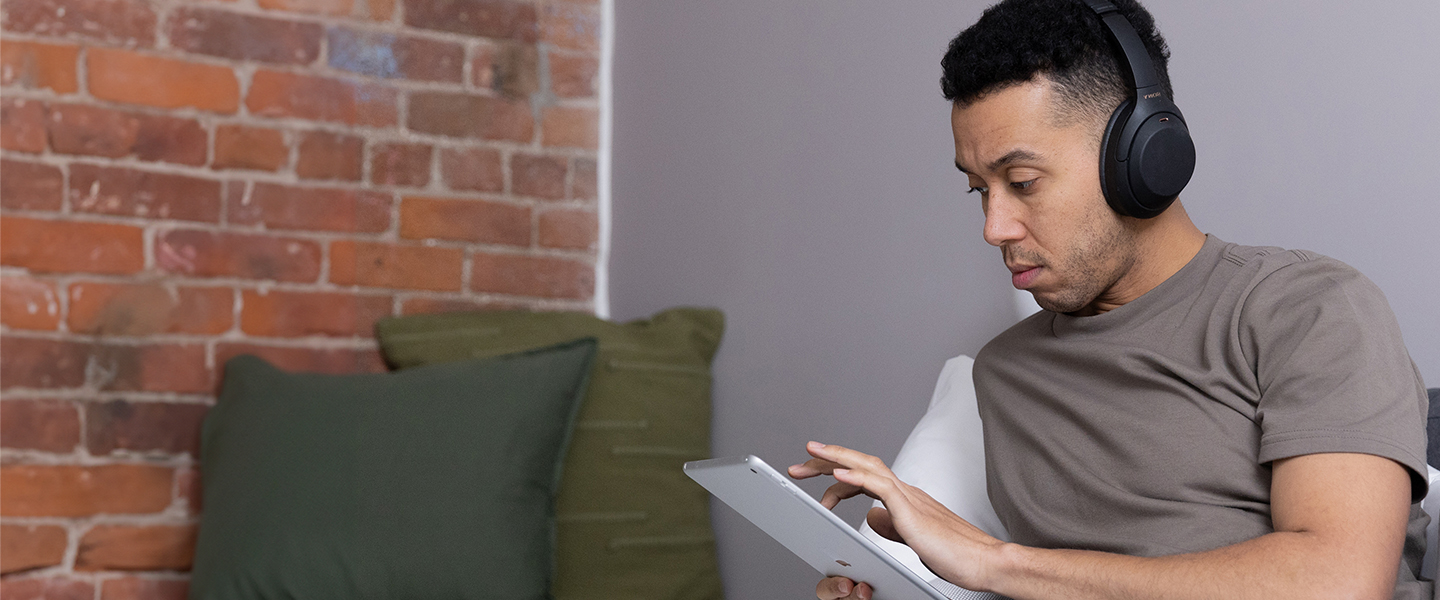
[1103, 253]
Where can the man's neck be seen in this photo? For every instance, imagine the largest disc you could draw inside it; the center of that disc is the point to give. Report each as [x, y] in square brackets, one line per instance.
[1163, 246]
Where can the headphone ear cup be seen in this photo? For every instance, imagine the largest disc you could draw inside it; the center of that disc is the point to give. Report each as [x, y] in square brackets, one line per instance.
[1162, 159]
[1113, 174]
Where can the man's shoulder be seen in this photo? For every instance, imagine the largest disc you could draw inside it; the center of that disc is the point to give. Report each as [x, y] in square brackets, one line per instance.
[1298, 275]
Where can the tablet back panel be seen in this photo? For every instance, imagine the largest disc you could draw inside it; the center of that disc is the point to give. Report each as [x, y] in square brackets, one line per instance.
[783, 510]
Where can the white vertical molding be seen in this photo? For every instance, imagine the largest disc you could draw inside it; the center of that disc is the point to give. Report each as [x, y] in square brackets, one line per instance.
[603, 162]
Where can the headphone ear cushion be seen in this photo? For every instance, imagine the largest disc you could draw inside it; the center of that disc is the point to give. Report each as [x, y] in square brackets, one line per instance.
[1113, 174]
[1162, 159]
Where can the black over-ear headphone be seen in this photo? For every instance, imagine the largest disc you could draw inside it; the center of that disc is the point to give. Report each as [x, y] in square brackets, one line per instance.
[1146, 156]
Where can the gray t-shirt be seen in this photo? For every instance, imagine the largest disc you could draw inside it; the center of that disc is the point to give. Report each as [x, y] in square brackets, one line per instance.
[1149, 430]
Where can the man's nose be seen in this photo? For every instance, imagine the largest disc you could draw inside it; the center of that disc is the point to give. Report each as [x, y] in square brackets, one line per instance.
[1002, 223]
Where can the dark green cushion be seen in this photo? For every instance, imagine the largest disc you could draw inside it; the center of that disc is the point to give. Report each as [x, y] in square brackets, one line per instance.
[632, 526]
[434, 482]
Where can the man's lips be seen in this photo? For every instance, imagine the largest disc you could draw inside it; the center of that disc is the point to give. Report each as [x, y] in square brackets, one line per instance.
[1021, 276]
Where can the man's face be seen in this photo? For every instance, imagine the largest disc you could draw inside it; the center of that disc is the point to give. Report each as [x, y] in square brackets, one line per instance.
[1039, 184]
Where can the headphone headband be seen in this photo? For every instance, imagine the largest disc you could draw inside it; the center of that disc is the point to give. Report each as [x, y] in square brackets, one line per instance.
[1139, 70]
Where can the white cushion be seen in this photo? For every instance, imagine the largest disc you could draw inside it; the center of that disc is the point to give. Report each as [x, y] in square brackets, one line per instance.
[1431, 506]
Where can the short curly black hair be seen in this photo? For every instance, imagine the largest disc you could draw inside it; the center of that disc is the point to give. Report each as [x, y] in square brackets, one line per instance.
[1062, 40]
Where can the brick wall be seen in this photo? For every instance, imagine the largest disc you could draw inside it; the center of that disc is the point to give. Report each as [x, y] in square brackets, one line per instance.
[187, 181]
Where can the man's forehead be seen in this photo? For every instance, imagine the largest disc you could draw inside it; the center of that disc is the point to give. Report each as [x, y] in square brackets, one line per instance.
[1016, 155]
[1007, 126]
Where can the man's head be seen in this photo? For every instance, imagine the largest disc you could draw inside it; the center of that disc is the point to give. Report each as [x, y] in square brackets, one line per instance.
[1034, 83]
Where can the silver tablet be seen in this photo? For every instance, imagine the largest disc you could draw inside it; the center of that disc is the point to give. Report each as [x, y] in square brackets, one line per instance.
[780, 508]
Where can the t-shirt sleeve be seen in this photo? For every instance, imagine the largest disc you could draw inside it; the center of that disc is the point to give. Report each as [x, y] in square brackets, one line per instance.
[1332, 368]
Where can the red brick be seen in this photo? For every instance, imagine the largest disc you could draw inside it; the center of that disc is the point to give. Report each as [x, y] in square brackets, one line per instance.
[325, 155]
[575, 229]
[570, 26]
[337, 8]
[467, 116]
[573, 76]
[132, 548]
[75, 491]
[585, 185]
[189, 490]
[31, 547]
[465, 220]
[133, 78]
[314, 209]
[37, 65]
[337, 361]
[538, 176]
[276, 94]
[401, 164]
[294, 314]
[213, 254]
[46, 588]
[392, 266]
[80, 129]
[513, 70]
[30, 186]
[541, 276]
[144, 588]
[244, 37]
[485, 18]
[40, 363]
[22, 125]
[477, 169]
[70, 247]
[172, 428]
[148, 308]
[119, 22]
[241, 147]
[151, 368]
[27, 303]
[571, 127]
[425, 306]
[122, 191]
[380, 10]
[383, 54]
[44, 425]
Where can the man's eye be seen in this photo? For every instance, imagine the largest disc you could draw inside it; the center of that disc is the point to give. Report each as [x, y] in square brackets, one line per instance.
[1022, 185]
[982, 190]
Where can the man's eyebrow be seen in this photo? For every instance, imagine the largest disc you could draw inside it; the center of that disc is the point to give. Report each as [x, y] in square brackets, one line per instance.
[1012, 156]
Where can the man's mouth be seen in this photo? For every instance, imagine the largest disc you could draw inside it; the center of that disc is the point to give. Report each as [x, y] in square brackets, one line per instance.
[1022, 276]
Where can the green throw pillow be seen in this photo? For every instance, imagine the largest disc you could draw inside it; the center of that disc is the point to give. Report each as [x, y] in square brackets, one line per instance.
[434, 482]
[631, 525]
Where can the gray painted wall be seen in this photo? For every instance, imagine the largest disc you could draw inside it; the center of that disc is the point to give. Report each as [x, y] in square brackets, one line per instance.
[790, 163]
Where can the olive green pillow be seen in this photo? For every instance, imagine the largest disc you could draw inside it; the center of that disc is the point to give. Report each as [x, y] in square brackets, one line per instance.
[433, 482]
[631, 525]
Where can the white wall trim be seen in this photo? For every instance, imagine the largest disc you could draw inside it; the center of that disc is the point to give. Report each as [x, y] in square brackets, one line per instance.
[603, 162]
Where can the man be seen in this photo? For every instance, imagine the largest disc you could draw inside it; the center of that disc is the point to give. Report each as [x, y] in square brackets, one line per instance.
[1188, 418]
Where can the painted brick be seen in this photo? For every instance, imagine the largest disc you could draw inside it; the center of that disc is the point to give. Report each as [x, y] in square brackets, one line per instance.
[76, 491]
[38, 65]
[144, 588]
[22, 125]
[30, 186]
[44, 425]
[276, 94]
[381, 54]
[70, 247]
[327, 209]
[120, 22]
[573, 229]
[574, 76]
[25, 547]
[46, 588]
[213, 254]
[150, 368]
[93, 130]
[467, 116]
[513, 70]
[128, 192]
[40, 363]
[132, 548]
[172, 428]
[426, 306]
[244, 37]
[585, 185]
[401, 164]
[568, 25]
[477, 169]
[337, 8]
[571, 127]
[325, 155]
[538, 176]
[294, 314]
[241, 147]
[336, 361]
[29, 304]
[148, 308]
[465, 220]
[486, 18]
[541, 276]
[392, 266]
[133, 78]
